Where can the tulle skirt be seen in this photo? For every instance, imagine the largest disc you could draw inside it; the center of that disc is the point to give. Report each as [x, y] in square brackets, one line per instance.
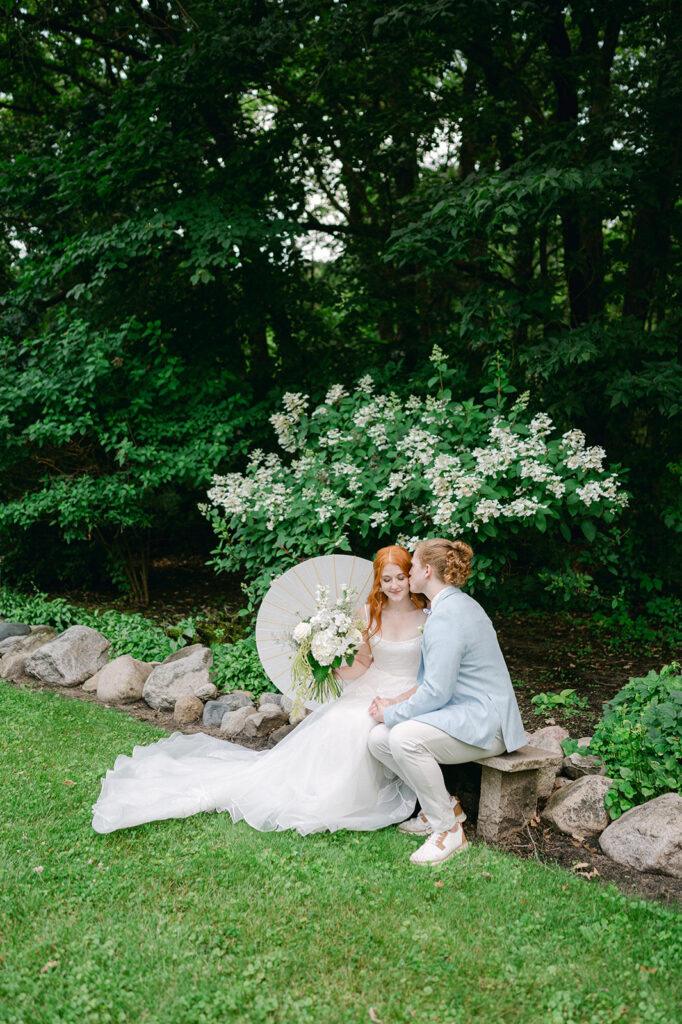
[320, 777]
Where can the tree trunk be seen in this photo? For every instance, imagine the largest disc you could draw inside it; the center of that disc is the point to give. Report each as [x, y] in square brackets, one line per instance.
[581, 220]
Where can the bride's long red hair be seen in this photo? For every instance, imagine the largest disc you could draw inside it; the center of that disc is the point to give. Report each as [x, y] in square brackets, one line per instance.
[394, 554]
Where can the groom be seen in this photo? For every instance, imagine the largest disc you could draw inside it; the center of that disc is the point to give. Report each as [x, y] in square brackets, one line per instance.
[463, 707]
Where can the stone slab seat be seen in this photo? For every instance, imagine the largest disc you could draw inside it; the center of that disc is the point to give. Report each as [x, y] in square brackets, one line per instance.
[509, 790]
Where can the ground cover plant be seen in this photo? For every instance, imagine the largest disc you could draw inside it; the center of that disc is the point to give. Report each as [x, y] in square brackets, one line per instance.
[235, 665]
[205, 921]
[128, 633]
[639, 739]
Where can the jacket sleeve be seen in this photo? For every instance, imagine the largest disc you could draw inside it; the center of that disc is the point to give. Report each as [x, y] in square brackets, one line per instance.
[444, 647]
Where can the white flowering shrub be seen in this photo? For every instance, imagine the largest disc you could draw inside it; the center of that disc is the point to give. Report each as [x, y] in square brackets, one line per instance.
[364, 469]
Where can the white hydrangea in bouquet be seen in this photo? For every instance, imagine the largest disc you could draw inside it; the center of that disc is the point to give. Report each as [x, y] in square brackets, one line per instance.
[323, 642]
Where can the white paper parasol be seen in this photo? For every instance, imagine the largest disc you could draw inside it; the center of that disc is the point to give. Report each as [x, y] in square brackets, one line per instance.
[291, 598]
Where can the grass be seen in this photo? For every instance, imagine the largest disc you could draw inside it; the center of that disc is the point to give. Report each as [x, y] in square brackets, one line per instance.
[201, 921]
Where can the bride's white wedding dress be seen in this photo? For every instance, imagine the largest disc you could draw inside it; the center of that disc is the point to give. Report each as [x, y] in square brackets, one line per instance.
[321, 776]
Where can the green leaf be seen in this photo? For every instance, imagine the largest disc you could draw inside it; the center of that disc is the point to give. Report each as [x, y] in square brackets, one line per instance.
[589, 529]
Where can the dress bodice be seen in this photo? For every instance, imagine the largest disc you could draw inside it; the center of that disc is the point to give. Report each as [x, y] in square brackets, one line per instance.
[396, 657]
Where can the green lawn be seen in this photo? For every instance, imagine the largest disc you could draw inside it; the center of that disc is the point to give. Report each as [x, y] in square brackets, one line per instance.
[200, 921]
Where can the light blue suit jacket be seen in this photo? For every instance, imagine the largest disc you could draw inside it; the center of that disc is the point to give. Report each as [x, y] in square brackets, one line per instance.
[463, 685]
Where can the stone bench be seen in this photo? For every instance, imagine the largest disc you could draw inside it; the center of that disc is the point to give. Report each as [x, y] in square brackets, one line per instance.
[510, 786]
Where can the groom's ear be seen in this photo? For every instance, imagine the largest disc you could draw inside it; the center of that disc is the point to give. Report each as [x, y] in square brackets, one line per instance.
[428, 569]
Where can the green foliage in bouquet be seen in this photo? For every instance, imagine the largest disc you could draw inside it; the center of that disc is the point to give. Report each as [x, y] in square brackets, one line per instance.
[323, 642]
[639, 739]
[365, 468]
[313, 680]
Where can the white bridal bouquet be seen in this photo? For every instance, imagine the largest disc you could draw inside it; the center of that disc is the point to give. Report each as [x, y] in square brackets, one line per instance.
[323, 641]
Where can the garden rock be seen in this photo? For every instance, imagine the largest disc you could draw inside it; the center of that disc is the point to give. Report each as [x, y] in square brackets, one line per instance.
[578, 809]
[187, 709]
[185, 672]
[184, 652]
[90, 685]
[265, 721]
[71, 658]
[8, 629]
[233, 721]
[270, 698]
[13, 665]
[215, 710]
[8, 643]
[296, 715]
[122, 679]
[280, 733]
[648, 837]
[576, 765]
[549, 738]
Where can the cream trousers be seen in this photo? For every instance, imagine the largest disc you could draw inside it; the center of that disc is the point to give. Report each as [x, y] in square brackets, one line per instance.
[414, 750]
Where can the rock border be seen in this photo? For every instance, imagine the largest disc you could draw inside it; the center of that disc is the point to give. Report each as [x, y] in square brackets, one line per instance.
[179, 693]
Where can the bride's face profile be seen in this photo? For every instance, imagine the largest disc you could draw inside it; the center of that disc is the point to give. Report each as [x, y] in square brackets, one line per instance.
[395, 583]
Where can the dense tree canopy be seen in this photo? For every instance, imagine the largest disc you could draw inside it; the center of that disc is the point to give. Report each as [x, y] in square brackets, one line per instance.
[500, 179]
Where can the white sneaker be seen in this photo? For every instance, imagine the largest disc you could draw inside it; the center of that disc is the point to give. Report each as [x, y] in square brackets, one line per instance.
[440, 846]
[419, 825]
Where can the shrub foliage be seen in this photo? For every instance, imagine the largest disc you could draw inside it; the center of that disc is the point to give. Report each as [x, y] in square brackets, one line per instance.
[639, 739]
[364, 469]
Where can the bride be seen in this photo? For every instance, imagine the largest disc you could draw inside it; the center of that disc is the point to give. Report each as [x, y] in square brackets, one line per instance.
[321, 775]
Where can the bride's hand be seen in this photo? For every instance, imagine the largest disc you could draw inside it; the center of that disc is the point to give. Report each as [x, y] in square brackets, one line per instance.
[376, 708]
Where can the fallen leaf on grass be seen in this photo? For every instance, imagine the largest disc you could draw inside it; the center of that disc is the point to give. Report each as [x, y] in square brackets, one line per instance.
[583, 869]
[439, 885]
[373, 1015]
[48, 966]
[69, 782]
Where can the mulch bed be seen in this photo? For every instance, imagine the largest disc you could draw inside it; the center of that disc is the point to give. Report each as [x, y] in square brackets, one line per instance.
[587, 863]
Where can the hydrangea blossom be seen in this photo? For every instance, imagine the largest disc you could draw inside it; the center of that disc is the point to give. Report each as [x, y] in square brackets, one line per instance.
[366, 384]
[378, 519]
[335, 394]
[285, 423]
[436, 466]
